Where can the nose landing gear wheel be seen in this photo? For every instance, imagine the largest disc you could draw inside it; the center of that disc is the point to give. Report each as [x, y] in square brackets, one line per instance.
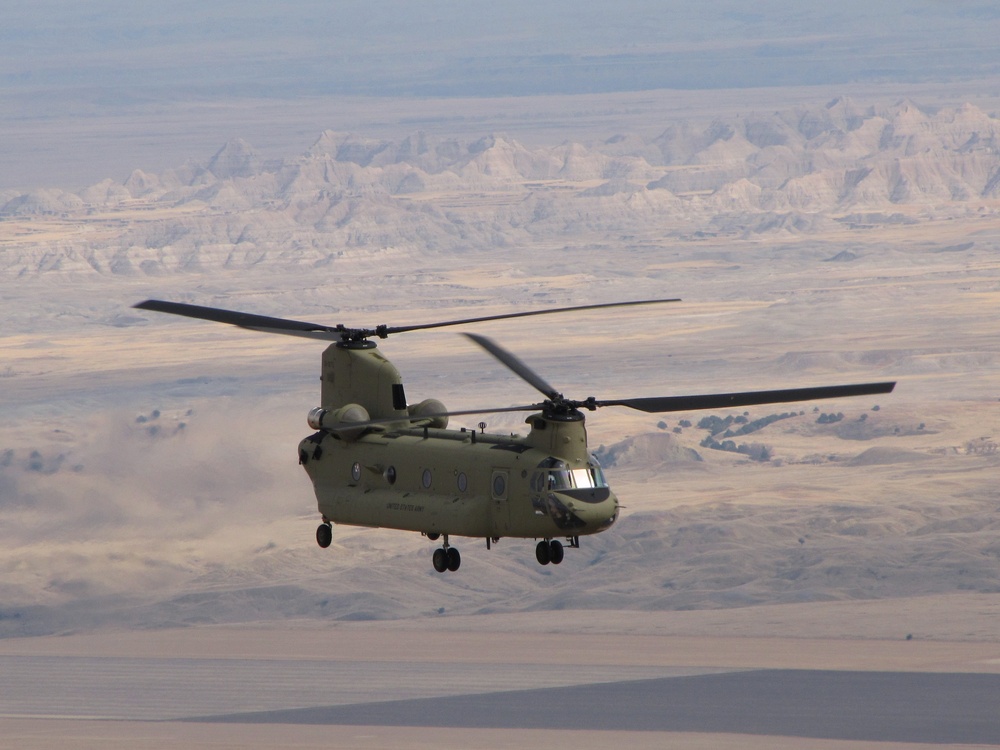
[324, 535]
[555, 552]
[454, 559]
[543, 553]
[549, 552]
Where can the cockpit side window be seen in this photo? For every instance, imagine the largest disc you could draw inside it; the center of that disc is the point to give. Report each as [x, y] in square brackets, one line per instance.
[558, 480]
[598, 472]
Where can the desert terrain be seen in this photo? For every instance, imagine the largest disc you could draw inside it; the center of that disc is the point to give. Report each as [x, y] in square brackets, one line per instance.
[152, 508]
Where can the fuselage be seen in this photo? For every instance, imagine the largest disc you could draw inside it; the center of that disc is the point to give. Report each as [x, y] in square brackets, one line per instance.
[462, 483]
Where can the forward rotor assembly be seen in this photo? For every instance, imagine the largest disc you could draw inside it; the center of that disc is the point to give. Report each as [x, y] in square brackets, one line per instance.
[558, 405]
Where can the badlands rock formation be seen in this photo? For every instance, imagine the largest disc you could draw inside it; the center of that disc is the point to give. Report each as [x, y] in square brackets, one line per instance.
[792, 172]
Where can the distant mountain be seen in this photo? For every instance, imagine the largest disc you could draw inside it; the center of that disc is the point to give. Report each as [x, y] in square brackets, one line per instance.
[792, 172]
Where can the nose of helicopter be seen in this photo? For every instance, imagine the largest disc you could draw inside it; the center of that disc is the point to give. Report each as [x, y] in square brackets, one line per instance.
[607, 513]
[591, 516]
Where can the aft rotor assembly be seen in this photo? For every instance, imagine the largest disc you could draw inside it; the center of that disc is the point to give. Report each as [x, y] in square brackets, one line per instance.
[344, 334]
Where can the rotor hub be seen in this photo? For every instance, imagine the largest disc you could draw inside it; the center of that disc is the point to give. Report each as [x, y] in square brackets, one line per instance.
[562, 410]
[360, 343]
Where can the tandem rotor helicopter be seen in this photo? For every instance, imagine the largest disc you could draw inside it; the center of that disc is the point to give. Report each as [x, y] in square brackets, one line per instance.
[377, 461]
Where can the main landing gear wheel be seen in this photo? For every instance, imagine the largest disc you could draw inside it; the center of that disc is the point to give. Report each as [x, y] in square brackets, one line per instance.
[446, 559]
[440, 560]
[324, 535]
[549, 552]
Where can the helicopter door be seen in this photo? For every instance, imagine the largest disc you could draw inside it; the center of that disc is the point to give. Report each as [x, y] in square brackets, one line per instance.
[501, 510]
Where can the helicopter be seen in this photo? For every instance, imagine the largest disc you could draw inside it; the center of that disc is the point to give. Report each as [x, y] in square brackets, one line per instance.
[377, 461]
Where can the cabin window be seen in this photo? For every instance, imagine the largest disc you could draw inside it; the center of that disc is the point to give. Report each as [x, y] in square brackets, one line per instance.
[463, 482]
[390, 475]
[499, 485]
[356, 472]
[426, 479]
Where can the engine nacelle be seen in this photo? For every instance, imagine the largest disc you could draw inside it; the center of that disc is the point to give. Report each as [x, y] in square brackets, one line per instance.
[320, 418]
[430, 406]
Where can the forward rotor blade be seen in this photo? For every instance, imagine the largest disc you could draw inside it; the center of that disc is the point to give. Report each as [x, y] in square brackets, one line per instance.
[521, 369]
[748, 398]
[245, 320]
[550, 311]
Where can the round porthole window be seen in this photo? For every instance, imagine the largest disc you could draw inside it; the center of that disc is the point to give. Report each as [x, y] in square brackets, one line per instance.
[499, 485]
[356, 472]
[390, 475]
[426, 479]
[463, 483]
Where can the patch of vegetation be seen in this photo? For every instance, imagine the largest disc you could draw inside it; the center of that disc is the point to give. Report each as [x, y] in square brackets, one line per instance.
[981, 447]
[723, 429]
[755, 451]
[717, 425]
[40, 464]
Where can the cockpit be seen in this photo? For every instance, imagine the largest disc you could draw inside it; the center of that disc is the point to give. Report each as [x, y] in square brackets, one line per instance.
[555, 475]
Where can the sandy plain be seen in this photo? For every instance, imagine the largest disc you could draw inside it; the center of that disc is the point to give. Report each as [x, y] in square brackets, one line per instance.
[188, 671]
[872, 548]
[952, 632]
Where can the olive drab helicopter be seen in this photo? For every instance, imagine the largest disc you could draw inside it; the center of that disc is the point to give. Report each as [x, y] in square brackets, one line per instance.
[375, 460]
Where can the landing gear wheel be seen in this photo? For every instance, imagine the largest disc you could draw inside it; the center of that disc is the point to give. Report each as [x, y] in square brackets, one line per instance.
[440, 560]
[324, 535]
[543, 553]
[555, 552]
[454, 559]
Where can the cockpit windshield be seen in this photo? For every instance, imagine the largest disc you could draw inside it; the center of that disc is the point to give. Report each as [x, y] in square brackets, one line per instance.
[556, 475]
[576, 479]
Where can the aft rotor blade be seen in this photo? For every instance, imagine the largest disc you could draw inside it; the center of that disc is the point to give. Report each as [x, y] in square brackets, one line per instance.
[245, 320]
[267, 324]
[550, 311]
[748, 398]
[521, 369]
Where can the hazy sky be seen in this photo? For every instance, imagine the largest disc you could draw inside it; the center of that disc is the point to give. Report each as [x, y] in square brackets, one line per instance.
[75, 63]
[110, 50]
